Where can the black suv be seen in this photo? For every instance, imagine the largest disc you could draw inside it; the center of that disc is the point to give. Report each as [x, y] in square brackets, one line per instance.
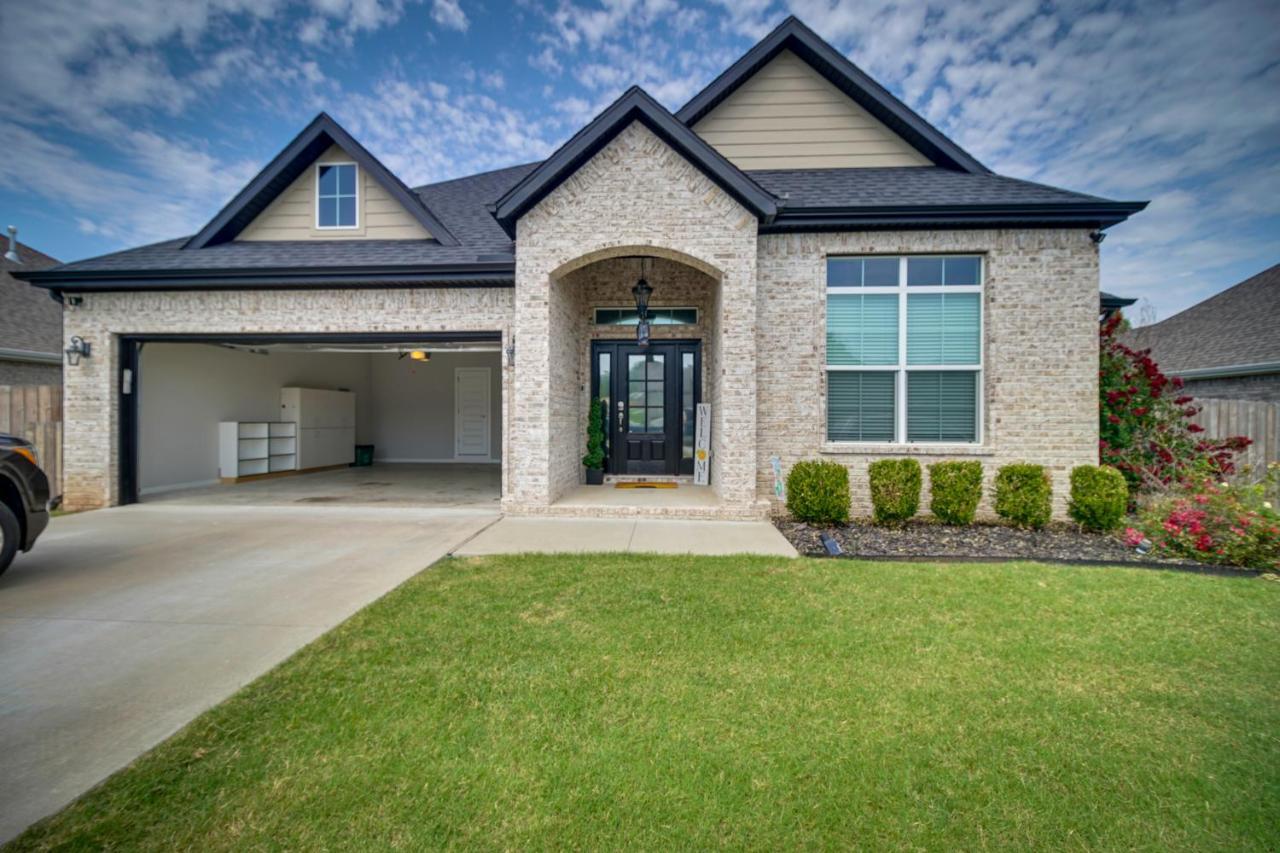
[24, 498]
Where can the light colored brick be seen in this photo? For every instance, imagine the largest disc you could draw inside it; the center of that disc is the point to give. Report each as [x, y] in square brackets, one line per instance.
[762, 320]
[1041, 351]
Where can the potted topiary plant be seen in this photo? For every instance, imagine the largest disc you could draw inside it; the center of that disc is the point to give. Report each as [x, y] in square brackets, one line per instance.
[594, 460]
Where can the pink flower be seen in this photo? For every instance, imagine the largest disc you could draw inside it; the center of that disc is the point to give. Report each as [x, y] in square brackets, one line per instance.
[1133, 538]
[1204, 543]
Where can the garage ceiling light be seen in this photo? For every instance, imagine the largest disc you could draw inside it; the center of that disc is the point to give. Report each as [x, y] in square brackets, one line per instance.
[420, 355]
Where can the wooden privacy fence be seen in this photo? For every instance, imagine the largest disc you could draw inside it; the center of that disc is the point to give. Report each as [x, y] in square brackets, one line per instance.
[1255, 419]
[34, 412]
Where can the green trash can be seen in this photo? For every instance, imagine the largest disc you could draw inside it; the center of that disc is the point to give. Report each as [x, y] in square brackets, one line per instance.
[364, 455]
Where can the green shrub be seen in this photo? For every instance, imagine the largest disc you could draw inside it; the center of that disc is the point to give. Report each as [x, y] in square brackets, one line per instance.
[955, 488]
[1099, 497]
[1024, 495]
[595, 435]
[818, 492]
[895, 489]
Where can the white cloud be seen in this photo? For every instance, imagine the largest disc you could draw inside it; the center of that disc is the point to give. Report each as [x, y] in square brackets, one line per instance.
[313, 31]
[424, 131]
[1169, 100]
[1172, 101]
[448, 14]
[122, 205]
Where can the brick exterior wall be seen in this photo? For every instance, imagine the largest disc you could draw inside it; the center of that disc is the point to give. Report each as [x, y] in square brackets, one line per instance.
[635, 197]
[607, 284]
[91, 412]
[762, 303]
[1040, 352]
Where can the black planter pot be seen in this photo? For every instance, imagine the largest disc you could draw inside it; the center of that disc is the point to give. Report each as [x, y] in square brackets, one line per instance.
[595, 476]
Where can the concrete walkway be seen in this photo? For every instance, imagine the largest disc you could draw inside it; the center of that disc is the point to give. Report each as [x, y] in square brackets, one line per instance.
[653, 535]
[124, 624]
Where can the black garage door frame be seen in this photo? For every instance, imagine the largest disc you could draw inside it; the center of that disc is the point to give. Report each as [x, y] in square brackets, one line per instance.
[129, 379]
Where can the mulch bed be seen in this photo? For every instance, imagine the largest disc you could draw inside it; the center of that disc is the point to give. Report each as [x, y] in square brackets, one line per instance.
[925, 539]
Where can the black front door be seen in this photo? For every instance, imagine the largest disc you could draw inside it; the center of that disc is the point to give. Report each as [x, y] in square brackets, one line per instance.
[651, 393]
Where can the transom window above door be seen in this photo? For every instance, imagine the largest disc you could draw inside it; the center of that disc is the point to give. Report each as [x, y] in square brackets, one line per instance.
[337, 198]
[904, 349]
[657, 316]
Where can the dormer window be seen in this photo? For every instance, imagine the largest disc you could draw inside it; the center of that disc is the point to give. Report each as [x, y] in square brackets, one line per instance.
[336, 196]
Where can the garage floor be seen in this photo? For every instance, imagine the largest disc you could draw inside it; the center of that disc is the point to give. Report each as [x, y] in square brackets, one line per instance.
[123, 624]
[382, 484]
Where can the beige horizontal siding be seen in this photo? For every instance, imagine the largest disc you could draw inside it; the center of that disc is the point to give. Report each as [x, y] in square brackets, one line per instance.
[292, 216]
[788, 116]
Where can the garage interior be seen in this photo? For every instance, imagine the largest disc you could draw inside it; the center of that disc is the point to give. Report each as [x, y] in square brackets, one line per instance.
[432, 412]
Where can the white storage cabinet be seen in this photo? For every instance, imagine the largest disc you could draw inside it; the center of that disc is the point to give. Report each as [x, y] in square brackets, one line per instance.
[326, 425]
[254, 448]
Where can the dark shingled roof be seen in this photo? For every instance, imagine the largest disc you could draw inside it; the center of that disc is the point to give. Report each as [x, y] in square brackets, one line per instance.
[1239, 326]
[459, 203]
[462, 205]
[29, 319]
[905, 186]
[244, 255]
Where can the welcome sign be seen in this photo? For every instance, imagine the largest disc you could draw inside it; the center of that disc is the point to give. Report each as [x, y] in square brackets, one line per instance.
[702, 445]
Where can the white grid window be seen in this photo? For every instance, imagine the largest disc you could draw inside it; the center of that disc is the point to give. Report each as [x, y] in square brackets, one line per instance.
[904, 349]
[337, 199]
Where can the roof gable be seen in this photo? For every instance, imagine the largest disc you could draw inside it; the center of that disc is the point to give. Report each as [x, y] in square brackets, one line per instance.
[292, 215]
[788, 116]
[634, 105]
[791, 35]
[318, 137]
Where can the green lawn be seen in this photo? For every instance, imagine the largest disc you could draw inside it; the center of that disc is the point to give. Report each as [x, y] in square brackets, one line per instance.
[659, 702]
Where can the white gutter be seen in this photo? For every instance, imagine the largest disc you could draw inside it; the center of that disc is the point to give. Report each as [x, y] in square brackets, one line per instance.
[32, 356]
[1228, 371]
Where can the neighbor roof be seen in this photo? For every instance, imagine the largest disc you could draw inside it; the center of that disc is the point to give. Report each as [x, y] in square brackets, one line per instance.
[29, 320]
[314, 140]
[793, 35]
[634, 105]
[1238, 327]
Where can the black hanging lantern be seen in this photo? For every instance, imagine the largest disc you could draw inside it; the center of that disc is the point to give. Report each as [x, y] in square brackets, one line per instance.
[642, 291]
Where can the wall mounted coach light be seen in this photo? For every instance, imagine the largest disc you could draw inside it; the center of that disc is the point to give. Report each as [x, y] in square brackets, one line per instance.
[80, 348]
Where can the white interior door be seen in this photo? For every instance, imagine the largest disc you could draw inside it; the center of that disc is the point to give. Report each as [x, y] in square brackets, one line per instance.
[471, 412]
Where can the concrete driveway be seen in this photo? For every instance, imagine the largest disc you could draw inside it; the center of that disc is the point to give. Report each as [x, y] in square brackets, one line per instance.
[124, 624]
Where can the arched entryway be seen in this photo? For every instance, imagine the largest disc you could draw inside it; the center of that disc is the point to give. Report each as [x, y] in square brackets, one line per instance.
[650, 389]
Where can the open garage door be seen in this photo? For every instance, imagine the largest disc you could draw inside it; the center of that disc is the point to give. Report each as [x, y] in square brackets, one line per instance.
[294, 419]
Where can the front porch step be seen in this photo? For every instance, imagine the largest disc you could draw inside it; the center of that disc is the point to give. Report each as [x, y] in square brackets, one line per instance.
[682, 479]
[700, 513]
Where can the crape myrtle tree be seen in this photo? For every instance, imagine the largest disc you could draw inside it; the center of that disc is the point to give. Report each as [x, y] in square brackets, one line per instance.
[1147, 429]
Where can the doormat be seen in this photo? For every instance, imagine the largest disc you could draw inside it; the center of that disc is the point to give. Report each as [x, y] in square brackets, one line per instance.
[644, 485]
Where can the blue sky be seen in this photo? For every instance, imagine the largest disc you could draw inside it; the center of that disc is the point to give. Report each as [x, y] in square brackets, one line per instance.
[124, 122]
